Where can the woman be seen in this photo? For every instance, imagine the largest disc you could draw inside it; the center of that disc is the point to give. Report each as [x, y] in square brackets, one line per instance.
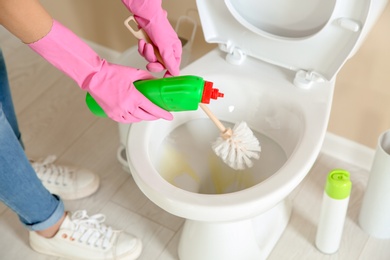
[54, 231]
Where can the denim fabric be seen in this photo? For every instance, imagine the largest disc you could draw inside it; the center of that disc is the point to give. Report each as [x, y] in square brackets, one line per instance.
[20, 188]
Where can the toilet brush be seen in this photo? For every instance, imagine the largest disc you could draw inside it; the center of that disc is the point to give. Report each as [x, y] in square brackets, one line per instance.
[236, 147]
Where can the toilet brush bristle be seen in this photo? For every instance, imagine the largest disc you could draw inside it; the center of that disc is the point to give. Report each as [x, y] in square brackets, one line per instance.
[238, 150]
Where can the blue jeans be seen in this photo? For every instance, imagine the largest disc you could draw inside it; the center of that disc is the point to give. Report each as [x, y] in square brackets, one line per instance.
[20, 188]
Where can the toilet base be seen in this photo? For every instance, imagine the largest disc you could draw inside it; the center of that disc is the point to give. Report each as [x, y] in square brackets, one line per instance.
[122, 158]
[245, 239]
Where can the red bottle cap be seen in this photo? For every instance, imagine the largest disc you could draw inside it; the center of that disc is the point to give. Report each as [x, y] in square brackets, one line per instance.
[210, 93]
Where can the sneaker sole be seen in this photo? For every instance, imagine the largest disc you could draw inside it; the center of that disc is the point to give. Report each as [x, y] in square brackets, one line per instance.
[133, 255]
[89, 190]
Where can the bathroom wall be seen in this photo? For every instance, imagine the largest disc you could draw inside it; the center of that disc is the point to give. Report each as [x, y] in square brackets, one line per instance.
[101, 21]
[361, 107]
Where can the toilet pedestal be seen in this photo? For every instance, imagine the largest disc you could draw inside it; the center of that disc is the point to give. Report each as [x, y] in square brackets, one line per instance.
[250, 239]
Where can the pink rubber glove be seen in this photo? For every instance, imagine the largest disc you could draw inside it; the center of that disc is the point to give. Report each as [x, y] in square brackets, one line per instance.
[153, 19]
[109, 84]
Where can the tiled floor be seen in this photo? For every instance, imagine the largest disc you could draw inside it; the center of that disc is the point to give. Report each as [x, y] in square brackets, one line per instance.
[54, 120]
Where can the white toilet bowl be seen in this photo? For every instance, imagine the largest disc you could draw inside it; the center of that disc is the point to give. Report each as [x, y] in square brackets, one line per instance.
[239, 215]
[290, 123]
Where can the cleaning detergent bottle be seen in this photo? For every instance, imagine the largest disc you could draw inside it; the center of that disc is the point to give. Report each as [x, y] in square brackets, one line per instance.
[181, 93]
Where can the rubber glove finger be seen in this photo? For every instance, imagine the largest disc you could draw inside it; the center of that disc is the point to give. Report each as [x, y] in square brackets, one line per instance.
[172, 59]
[126, 119]
[144, 115]
[156, 111]
[141, 47]
[155, 67]
[142, 105]
[158, 67]
[137, 115]
[149, 115]
[160, 113]
[172, 64]
[167, 74]
[147, 51]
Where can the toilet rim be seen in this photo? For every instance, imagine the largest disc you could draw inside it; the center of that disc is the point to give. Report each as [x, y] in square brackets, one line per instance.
[218, 207]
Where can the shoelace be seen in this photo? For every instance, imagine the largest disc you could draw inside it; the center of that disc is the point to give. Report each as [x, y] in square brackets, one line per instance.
[90, 230]
[51, 173]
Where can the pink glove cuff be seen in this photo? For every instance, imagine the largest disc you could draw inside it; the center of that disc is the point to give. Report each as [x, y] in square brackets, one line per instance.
[72, 56]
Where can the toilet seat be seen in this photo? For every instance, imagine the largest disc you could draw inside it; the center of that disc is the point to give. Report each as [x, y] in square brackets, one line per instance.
[316, 45]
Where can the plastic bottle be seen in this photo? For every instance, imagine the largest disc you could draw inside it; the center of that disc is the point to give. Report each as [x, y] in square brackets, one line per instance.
[181, 93]
[333, 211]
[374, 216]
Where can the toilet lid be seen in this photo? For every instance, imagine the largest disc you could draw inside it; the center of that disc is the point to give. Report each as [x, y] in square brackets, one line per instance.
[313, 36]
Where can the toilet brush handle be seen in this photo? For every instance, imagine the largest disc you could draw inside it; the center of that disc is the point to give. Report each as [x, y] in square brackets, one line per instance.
[140, 34]
[213, 118]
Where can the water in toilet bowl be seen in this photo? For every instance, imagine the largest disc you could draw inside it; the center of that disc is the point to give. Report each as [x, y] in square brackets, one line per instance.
[187, 161]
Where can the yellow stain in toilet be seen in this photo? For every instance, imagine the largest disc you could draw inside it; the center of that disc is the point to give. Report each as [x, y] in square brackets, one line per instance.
[175, 168]
[226, 182]
[174, 164]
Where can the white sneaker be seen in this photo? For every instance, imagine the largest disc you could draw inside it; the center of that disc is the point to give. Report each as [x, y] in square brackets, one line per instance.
[67, 182]
[82, 237]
